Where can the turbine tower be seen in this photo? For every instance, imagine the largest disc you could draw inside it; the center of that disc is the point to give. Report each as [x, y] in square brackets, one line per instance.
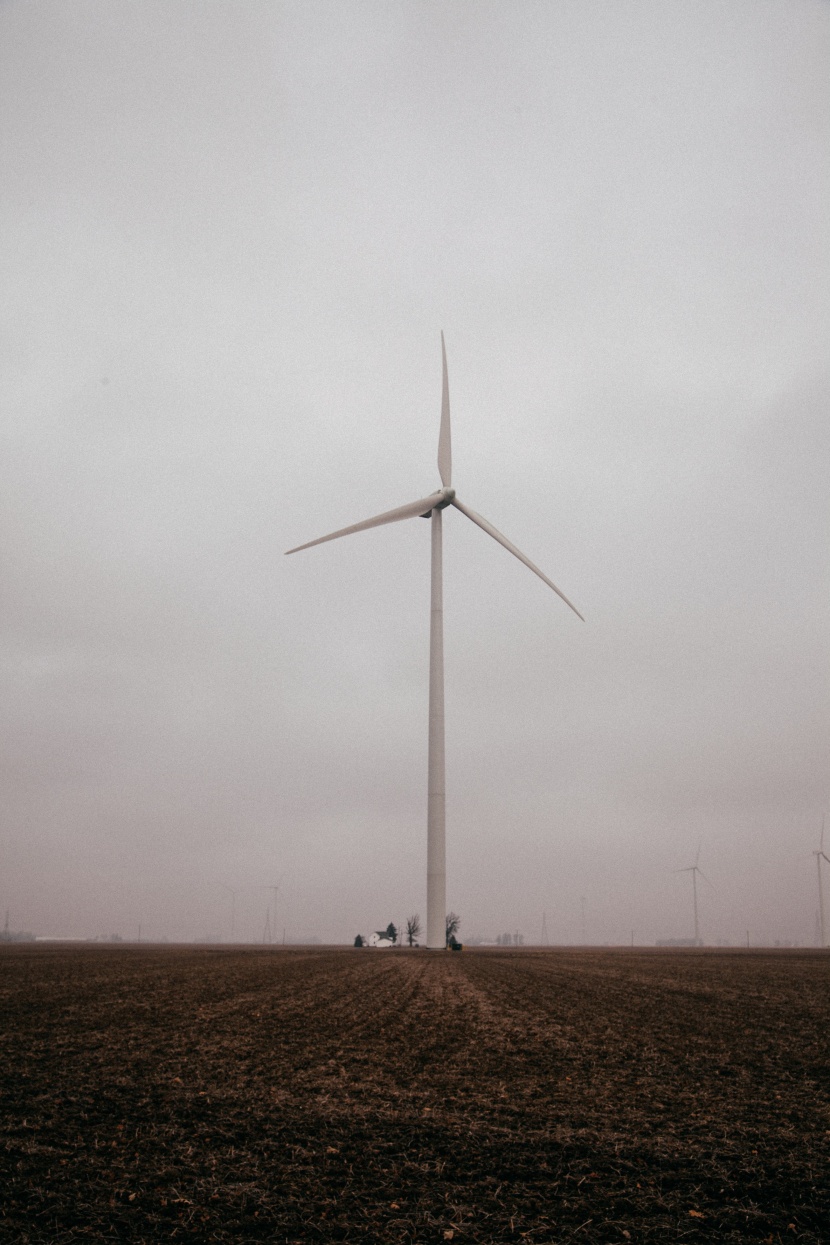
[232, 892]
[821, 855]
[270, 931]
[432, 507]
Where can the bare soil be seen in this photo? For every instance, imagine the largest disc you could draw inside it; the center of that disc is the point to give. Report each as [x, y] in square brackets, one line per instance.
[305, 1095]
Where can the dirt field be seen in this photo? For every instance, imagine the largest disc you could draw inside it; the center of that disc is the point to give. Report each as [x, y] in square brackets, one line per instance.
[324, 1095]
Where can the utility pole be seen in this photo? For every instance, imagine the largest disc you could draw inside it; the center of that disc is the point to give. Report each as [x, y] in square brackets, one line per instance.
[270, 934]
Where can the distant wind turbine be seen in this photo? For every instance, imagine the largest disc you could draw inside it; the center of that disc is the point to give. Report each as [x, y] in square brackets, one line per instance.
[694, 870]
[821, 855]
[233, 908]
[271, 930]
[433, 506]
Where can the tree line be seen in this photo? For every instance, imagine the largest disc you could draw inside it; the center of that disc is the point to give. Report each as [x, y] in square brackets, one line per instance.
[414, 930]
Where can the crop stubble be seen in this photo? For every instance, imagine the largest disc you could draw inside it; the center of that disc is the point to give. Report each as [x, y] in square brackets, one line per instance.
[320, 1095]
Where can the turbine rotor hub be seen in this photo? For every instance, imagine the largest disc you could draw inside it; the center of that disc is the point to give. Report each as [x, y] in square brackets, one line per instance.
[444, 497]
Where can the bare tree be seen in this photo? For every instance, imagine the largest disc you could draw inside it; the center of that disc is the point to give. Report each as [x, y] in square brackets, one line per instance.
[413, 929]
[453, 922]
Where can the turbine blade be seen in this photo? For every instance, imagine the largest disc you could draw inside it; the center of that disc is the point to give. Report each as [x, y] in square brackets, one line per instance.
[703, 875]
[444, 440]
[517, 553]
[389, 516]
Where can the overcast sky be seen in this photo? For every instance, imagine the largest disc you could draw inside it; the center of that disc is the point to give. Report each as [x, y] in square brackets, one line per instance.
[232, 233]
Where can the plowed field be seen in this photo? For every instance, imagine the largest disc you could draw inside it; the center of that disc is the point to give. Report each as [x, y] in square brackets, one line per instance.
[294, 1095]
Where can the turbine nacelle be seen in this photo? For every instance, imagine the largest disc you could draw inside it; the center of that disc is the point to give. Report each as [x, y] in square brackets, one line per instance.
[445, 498]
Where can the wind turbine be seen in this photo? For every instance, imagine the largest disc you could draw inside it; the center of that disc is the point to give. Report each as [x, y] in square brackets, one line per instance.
[432, 507]
[268, 935]
[233, 908]
[694, 870]
[821, 855]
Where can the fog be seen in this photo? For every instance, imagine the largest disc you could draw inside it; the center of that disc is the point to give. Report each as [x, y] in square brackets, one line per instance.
[232, 234]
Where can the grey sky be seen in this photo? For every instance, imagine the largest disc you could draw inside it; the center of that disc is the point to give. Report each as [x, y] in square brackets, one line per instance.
[231, 235]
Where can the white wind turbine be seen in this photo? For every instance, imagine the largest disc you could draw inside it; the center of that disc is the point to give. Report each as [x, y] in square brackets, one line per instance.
[270, 932]
[694, 870]
[821, 855]
[432, 506]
